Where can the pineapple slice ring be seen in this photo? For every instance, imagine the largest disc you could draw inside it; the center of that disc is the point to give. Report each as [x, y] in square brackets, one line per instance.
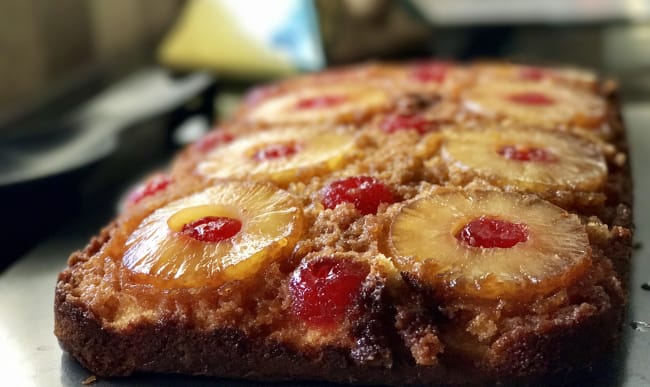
[348, 103]
[576, 163]
[565, 106]
[272, 222]
[430, 77]
[317, 150]
[489, 71]
[191, 214]
[423, 242]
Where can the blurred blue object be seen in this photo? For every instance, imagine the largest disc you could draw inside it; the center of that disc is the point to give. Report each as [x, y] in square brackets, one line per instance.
[299, 36]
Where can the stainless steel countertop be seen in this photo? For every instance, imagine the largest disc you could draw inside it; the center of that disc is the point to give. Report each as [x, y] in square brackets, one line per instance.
[30, 354]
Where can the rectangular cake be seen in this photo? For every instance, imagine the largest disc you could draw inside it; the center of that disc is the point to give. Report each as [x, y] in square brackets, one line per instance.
[424, 222]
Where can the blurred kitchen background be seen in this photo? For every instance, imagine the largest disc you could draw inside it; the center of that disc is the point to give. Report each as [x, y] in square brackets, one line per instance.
[95, 94]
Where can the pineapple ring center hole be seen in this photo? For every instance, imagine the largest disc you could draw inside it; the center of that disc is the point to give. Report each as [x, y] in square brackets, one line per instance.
[320, 102]
[532, 73]
[208, 223]
[531, 98]
[398, 122]
[526, 153]
[490, 232]
[275, 151]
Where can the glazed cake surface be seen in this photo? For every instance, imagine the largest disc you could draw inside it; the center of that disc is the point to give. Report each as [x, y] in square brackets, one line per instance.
[425, 222]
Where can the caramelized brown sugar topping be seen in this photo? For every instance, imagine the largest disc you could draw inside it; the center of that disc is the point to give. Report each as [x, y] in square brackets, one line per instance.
[441, 201]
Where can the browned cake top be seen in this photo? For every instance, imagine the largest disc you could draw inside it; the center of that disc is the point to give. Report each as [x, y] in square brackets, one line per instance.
[459, 205]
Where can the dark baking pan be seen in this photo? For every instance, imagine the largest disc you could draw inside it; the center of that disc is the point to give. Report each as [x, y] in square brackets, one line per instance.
[47, 157]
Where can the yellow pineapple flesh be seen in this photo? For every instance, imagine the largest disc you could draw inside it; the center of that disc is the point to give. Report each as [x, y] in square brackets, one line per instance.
[530, 160]
[321, 103]
[271, 221]
[280, 155]
[425, 240]
[540, 104]
[489, 71]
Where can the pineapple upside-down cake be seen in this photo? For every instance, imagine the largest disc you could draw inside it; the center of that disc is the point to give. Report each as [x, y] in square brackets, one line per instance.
[427, 222]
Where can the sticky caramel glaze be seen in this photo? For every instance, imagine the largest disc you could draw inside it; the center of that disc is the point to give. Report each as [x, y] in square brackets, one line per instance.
[574, 78]
[396, 322]
[128, 292]
[584, 202]
[394, 79]
[483, 332]
[397, 160]
[381, 149]
[258, 306]
[330, 232]
[367, 72]
[595, 202]
[563, 106]
[185, 162]
[433, 331]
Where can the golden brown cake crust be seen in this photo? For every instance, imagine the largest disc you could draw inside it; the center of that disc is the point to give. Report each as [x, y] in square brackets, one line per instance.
[527, 351]
[399, 330]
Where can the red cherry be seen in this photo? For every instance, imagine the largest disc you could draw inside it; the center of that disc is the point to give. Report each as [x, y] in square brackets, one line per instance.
[322, 290]
[532, 73]
[518, 153]
[212, 140]
[531, 98]
[365, 192]
[276, 151]
[490, 232]
[320, 102]
[397, 122]
[432, 71]
[212, 228]
[154, 185]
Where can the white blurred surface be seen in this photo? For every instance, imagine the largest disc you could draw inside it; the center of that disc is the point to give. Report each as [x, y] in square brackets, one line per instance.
[443, 12]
